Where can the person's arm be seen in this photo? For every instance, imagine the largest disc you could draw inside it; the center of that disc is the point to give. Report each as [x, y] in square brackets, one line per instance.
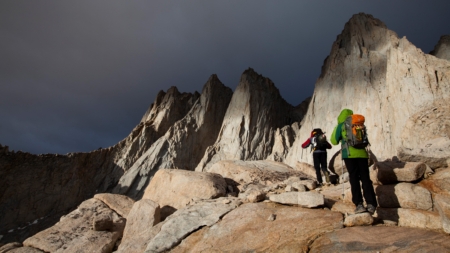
[306, 143]
[336, 136]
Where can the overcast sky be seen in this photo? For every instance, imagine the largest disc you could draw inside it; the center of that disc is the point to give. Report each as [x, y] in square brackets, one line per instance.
[79, 75]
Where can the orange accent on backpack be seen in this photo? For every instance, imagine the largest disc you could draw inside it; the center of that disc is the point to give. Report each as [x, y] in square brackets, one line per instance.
[358, 125]
[355, 131]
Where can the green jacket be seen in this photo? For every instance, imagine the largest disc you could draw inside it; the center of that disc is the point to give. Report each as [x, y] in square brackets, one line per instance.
[336, 136]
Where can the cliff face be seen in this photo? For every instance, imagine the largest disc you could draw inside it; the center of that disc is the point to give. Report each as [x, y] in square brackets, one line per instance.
[248, 131]
[184, 143]
[35, 190]
[373, 72]
[168, 108]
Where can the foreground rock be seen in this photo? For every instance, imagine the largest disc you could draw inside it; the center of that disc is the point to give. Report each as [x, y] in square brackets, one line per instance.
[360, 219]
[174, 189]
[119, 203]
[392, 172]
[186, 220]
[249, 229]
[411, 217]
[381, 239]
[438, 182]
[257, 172]
[17, 248]
[404, 195]
[443, 206]
[138, 231]
[74, 232]
[304, 199]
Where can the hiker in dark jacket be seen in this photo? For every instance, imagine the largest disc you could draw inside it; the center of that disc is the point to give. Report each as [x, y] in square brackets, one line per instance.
[319, 148]
[357, 163]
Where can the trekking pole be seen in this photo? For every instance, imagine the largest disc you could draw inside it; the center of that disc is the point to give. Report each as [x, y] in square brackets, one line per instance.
[342, 175]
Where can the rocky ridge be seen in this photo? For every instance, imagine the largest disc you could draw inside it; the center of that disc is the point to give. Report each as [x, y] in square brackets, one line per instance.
[43, 187]
[248, 130]
[183, 143]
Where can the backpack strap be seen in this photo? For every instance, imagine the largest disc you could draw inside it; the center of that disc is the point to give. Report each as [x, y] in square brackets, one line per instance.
[344, 143]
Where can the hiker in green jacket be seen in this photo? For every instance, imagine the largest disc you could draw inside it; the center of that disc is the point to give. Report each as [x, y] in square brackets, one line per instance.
[357, 163]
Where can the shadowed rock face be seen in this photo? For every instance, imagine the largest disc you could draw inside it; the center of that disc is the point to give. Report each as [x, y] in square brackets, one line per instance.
[35, 190]
[167, 109]
[184, 143]
[373, 72]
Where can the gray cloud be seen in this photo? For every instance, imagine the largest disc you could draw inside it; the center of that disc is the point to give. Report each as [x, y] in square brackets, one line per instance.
[75, 76]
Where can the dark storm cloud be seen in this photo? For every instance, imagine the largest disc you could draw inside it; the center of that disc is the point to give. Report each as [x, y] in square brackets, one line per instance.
[79, 75]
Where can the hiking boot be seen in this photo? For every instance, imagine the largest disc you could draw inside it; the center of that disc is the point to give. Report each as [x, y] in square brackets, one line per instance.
[327, 177]
[371, 209]
[360, 208]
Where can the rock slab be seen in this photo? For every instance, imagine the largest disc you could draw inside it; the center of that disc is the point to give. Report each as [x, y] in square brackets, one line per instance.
[248, 229]
[73, 233]
[381, 239]
[144, 214]
[174, 189]
[188, 219]
[305, 199]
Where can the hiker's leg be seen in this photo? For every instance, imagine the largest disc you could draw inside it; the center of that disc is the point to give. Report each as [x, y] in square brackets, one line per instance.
[316, 158]
[323, 161]
[368, 191]
[353, 174]
[323, 165]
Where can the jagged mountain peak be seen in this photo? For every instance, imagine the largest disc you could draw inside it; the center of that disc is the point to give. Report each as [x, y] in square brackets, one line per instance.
[255, 112]
[379, 75]
[212, 84]
[361, 35]
[213, 79]
[252, 77]
[442, 48]
[367, 20]
[253, 84]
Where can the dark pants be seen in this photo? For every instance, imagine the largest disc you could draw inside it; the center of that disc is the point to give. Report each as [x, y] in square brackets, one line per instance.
[358, 170]
[320, 161]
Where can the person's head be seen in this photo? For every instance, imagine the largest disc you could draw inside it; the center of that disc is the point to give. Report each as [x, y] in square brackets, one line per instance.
[316, 131]
[344, 114]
